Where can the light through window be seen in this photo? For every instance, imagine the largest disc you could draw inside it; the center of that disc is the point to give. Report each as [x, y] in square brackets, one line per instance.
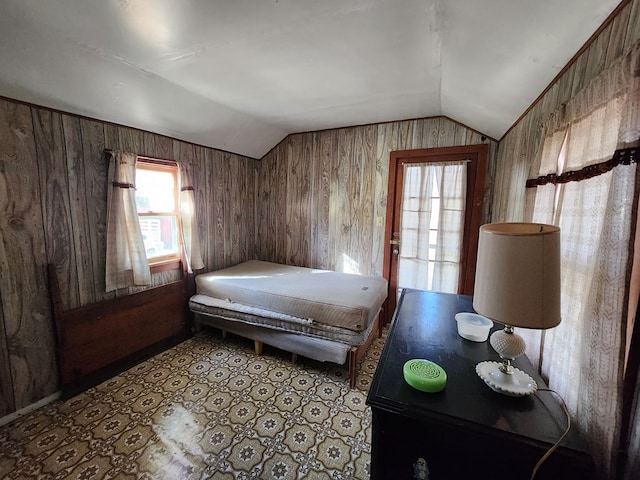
[157, 206]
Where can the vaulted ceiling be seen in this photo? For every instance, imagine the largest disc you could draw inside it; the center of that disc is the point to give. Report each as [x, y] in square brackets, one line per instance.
[240, 75]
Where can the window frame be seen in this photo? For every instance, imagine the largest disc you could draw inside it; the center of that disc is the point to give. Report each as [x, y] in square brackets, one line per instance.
[164, 262]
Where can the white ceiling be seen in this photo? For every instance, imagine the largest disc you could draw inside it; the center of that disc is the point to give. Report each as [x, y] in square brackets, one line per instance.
[240, 75]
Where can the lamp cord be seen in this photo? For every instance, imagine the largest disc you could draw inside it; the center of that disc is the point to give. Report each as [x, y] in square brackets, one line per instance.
[562, 437]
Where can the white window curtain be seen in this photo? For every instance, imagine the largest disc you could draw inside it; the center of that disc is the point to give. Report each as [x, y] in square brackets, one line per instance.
[583, 358]
[451, 179]
[432, 225]
[126, 260]
[189, 221]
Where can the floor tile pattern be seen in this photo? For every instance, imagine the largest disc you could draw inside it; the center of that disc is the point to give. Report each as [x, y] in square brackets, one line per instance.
[207, 408]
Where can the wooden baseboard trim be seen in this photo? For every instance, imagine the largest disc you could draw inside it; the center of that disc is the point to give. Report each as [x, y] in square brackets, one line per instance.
[29, 408]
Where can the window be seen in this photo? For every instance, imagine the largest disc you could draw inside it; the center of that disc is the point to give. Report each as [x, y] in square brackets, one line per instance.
[432, 225]
[158, 212]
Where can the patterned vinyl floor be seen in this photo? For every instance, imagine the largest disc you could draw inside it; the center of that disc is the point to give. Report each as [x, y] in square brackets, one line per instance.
[207, 408]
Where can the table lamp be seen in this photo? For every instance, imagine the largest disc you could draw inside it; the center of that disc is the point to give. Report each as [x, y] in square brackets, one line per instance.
[518, 285]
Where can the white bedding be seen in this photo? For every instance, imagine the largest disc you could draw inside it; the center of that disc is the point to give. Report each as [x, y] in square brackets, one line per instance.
[308, 295]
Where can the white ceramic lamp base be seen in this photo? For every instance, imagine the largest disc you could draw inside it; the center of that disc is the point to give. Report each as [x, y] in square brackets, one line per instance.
[516, 384]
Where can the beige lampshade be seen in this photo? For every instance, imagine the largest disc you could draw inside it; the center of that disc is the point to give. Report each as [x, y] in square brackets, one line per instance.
[518, 274]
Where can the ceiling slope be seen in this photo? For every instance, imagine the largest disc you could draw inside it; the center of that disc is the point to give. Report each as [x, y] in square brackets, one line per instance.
[241, 75]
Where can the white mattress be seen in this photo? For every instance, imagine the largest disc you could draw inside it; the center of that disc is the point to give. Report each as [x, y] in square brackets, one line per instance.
[333, 298]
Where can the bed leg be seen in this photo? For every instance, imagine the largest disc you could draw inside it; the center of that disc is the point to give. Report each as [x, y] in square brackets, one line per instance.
[224, 334]
[197, 326]
[294, 357]
[353, 363]
[257, 345]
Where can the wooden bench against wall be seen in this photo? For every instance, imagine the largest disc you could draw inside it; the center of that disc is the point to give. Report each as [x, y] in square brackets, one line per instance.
[96, 342]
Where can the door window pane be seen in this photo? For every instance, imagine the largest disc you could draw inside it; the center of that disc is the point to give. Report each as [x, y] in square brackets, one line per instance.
[432, 226]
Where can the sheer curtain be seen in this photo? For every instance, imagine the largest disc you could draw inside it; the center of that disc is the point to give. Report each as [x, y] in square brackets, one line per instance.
[587, 188]
[451, 179]
[432, 224]
[126, 259]
[189, 220]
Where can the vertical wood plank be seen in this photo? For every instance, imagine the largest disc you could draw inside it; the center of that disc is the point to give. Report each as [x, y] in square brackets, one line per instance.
[385, 143]
[242, 202]
[232, 192]
[297, 201]
[130, 140]
[459, 134]
[252, 179]
[342, 256]
[265, 231]
[95, 171]
[281, 174]
[356, 192]
[431, 132]
[314, 170]
[446, 133]
[25, 305]
[7, 402]
[487, 203]
[111, 137]
[78, 210]
[157, 146]
[7, 150]
[368, 177]
[325, 148]
[208, 249]
[405, 135]
[56, 210]
[218, 182]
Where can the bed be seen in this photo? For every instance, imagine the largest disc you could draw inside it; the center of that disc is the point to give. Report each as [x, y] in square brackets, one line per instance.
[319, 314]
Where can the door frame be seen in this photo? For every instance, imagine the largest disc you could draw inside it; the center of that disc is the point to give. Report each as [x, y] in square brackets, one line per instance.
[476, 172]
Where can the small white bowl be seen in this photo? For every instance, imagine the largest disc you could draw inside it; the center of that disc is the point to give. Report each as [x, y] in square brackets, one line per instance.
[473, 327]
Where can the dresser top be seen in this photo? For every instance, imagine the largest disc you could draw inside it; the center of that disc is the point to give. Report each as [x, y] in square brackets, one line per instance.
[424, 327]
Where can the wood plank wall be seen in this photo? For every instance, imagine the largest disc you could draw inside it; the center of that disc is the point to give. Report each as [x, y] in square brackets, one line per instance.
[53, 190]
[314, 200]
[322, 196]
[519, 150]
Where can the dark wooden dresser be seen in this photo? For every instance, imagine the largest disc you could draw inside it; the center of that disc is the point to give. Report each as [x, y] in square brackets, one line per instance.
[467, 430]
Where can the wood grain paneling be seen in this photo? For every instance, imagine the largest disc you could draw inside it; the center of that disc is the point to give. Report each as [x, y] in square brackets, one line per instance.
[95, 202]
[53, 208]
[298, 231]
[54, 197]
[7, 403]
[78, 211]
[25, 305]
[316, 199]
[217, 211]
[157, 146]
[322, 195]
[320, 165]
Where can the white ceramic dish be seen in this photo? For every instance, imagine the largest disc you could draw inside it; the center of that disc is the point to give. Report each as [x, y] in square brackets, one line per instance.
[473, 327]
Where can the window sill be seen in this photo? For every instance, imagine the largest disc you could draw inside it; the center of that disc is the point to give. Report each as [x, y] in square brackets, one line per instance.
[164, 265]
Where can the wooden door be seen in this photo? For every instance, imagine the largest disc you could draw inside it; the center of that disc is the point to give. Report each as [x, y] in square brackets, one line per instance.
[476, 160]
